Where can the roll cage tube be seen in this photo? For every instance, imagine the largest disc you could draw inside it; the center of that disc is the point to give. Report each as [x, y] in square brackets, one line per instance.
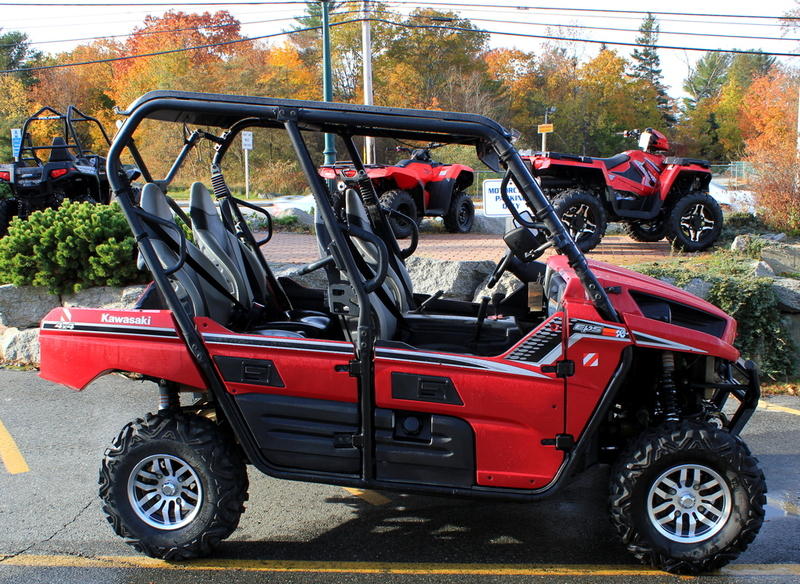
[536, 201]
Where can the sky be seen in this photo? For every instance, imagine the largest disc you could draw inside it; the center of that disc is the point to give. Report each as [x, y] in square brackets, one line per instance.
[53, 29]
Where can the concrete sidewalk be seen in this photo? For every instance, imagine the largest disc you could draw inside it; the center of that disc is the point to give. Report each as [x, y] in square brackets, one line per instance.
[615, 249]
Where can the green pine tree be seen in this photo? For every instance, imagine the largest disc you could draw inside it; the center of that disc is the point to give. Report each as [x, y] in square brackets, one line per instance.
[647, 66]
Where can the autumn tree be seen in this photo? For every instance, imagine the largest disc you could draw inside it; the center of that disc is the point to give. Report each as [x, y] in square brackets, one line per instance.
[769, 125]
[183, 51]
[431, 45]
[710, 126]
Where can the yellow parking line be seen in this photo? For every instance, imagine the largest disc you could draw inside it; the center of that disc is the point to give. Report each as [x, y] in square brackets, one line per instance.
[378, 567]
[369, 496]
[10, 454]
[768, 406]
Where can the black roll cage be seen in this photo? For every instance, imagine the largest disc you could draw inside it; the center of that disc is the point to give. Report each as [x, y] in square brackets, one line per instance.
[234, 113]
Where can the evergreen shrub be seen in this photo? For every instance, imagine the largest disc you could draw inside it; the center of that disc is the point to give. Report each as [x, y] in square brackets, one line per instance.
[76, 246]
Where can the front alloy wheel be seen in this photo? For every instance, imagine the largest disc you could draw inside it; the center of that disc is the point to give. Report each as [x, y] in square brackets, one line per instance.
[689, 503]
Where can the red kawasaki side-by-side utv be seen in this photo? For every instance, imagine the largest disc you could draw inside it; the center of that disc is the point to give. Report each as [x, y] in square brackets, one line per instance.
[654, 195]
[365, 383]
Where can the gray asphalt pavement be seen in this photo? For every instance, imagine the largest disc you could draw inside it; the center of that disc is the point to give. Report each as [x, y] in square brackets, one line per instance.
[52, 528]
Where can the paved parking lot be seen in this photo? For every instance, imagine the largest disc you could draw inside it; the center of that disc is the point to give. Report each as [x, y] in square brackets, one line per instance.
[621, 250]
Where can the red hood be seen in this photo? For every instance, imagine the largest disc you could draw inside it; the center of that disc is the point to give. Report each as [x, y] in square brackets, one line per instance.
[629, 281]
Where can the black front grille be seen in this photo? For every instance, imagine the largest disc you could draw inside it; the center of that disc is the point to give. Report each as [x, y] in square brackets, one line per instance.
[679, 314]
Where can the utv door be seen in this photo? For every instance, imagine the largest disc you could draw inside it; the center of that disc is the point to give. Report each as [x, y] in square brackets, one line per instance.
[297, 396]
[459, 420]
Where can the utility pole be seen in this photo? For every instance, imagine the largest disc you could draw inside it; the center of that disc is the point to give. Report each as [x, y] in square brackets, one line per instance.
[327, 79]
[366, 47]
[545, 131]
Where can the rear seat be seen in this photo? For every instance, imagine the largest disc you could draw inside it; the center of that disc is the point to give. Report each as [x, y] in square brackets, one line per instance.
[238, 263]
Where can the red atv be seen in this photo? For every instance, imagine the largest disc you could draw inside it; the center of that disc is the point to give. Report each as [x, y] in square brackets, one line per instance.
[418, 187]
[364, 384]
[654, 195]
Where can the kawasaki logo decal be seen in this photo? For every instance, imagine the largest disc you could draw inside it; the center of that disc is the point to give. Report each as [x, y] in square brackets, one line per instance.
[110, 318]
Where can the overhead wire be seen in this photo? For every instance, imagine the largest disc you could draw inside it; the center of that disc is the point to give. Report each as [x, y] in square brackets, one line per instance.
[407, 25]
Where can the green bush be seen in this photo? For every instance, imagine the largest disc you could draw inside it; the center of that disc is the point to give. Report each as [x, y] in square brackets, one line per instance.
[70, 248]
[750, 300]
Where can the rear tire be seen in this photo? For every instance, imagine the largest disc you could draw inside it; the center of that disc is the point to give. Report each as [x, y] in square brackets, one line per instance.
[695, 222]
[687, 497]
[647, 231]
[173, 485]
[400, 201]
[461, 216]
[8, 210]
[584, 217]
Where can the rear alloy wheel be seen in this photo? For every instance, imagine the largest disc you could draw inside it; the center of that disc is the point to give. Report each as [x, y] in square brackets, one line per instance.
[461, 215]
[584, 217]
[687, 497]
[695, 222]
[173, 485]
[400, 201]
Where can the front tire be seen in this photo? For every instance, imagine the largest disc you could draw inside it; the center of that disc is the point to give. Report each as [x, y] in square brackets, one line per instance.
[695, 222]
[584, 217]
[461, 216]
[687, 497]
[400, 201]
[173, 485]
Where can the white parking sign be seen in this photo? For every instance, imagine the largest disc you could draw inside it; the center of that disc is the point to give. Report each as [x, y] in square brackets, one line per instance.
[16, 141]
[493, 204]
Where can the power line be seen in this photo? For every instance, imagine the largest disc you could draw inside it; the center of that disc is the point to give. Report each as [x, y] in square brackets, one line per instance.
[600, 10]
[350, 12]
[581, 27]
[406, 25]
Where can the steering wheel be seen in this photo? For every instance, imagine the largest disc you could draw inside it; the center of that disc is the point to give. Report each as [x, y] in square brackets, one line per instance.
[500, 269]
[505, 262]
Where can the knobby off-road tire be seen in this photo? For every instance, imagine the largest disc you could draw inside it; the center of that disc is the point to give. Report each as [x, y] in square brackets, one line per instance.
[400, 201]
[8, 210]
[173, 485]
[584, 217]
[461, 216]
[695, 222]
[647, 231]
[687, 497]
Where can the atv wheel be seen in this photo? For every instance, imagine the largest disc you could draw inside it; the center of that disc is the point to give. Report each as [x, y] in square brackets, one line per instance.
[584, 217]
[687, 497]
[647, 231]
[461, 215]
[695, 222]
[173, 485]
[8, 210]
[400, 201]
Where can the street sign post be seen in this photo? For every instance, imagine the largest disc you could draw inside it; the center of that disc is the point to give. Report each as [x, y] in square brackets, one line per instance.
[247, 146]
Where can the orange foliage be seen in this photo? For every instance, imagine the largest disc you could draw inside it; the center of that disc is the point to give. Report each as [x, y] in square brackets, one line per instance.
[769, 124]
[285, 75]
